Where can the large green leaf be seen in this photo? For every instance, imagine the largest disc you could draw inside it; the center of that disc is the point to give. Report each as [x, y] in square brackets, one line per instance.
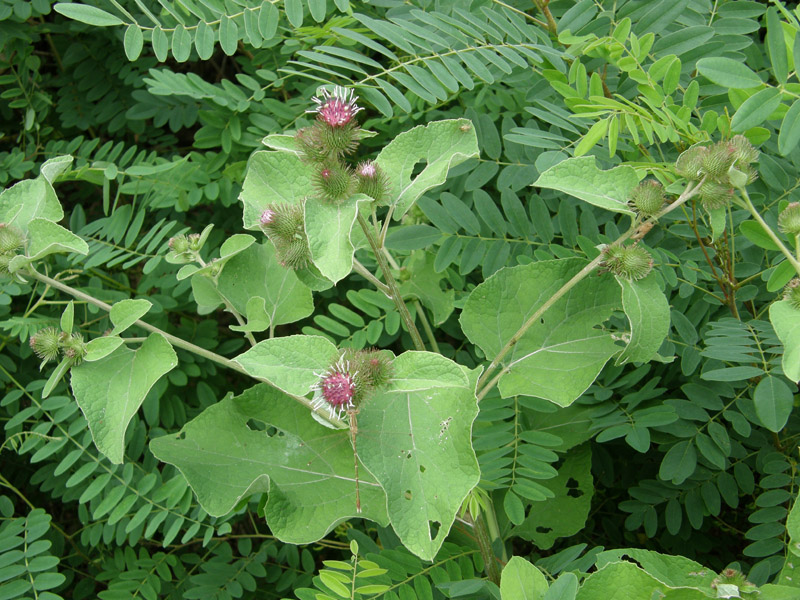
[581, 178]
[90, 15]
[328, 229]
[624, 581]
[307, 469]
[126, 312]
[32, 198]
[560, 355]
[564, 514]
[425, 283]
[46, 237]
[255, 272]
[647, 309]
[415, 438]
[250, 274]
[520, 580]
[292, 363]
[756, 109]
[109, 391]
[273, 178]
[786, 321]
[674, 571]
[440, 145]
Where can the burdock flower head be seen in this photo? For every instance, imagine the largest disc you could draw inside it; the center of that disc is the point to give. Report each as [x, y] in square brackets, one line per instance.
[336, 388]
[336, 109]
[336, 131]
[351, 380]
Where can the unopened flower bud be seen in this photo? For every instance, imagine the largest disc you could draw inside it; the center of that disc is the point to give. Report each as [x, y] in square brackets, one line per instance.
[744, 152]
[715, 195]
[310, 144]
[648, 197]
[284, 226]
[194, 242]
[334, 182]
[294, 254]
[46, 344]
[628, 262]
[74, 347]
[11, 238]
[718, 160]
[690, 163]
[374, 369]
[372, 181]
[5, 262]
[179, 244]
[791, 293]
[789, 219]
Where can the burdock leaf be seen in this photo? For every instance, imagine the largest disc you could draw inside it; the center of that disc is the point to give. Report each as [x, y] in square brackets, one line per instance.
[562, 352]
[439, 146]
[414, 436]
[264, 442]
[109, 391]
[273, 178]
[292, 363]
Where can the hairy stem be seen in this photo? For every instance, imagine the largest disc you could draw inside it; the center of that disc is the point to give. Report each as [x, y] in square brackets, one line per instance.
[781, 246]
[542, 5]
[392, 285]
[426, 326]
[180, 343]
[484, 539]
[367, 274]
[636, 232]
[425, 323]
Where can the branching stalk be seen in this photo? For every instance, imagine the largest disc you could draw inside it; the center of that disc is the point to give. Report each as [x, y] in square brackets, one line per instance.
[180, 343]
[392, 285]
[367, 274]
[485, 383]
[781, 246]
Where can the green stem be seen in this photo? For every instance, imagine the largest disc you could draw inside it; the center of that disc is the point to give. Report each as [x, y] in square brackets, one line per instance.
[367, 274]
[392, 285]
[485, 545]
[484, 383]
[781, 246]
[228, 306]
[494, 529]
[181, 343]
[427, 327]
[542, 5]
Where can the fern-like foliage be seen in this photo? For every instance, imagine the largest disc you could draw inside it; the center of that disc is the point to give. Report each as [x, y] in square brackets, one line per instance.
[30, 569]
[428, 54]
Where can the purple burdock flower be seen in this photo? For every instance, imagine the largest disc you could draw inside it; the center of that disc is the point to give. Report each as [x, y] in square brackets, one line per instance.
[336, 109]
[367, 169]
[267, 217]
[336, 388]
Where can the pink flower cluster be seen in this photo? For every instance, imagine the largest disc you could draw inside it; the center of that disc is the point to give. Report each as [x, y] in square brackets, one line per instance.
[336, 109]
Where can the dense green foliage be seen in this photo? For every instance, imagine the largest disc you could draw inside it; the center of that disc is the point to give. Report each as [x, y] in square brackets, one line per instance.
[644, 414]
